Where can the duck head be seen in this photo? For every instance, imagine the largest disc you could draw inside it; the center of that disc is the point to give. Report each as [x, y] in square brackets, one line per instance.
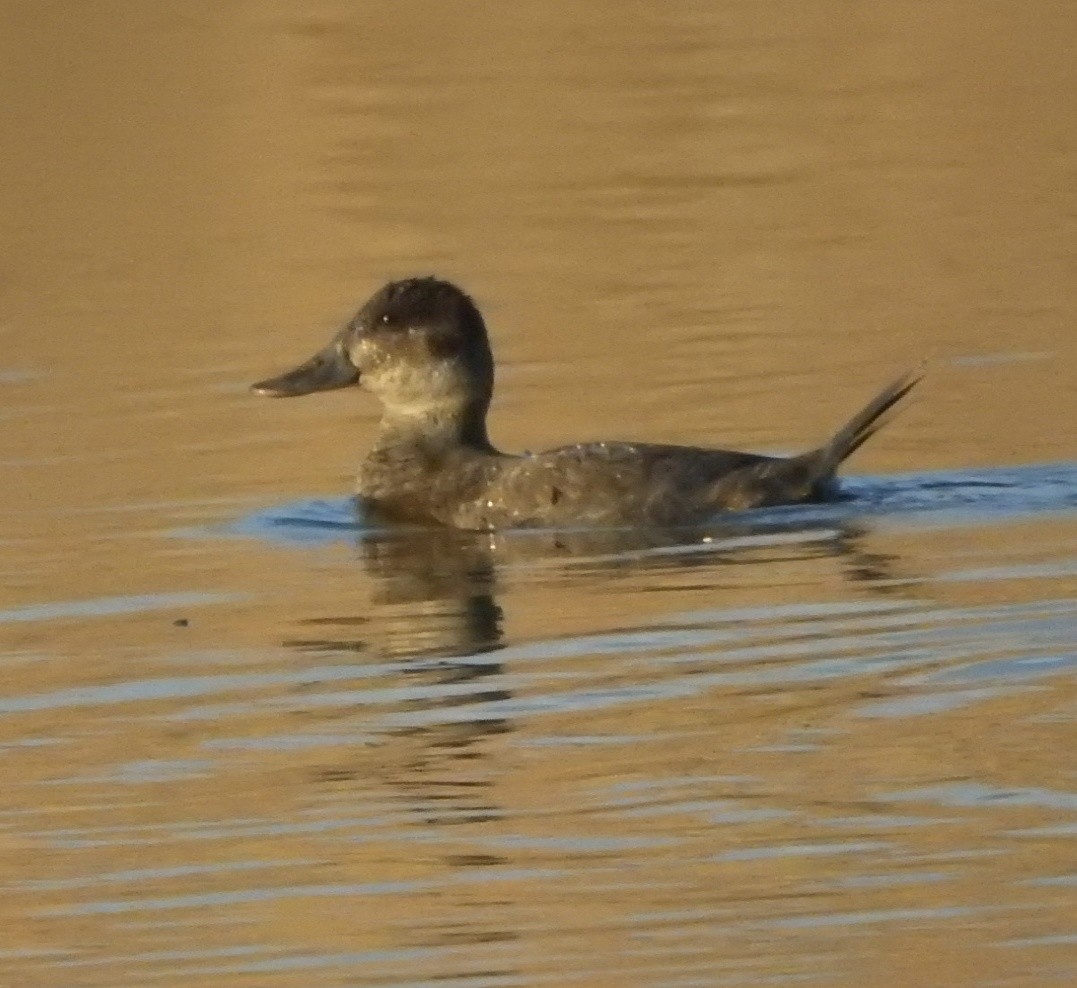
[420, 346]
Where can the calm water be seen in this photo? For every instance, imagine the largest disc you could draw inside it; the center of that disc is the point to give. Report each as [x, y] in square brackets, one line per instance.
[249, 740]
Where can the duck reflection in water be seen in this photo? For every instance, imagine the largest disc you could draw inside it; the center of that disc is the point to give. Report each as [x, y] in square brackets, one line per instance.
[434, 604]
[432, 614]
[435, 617]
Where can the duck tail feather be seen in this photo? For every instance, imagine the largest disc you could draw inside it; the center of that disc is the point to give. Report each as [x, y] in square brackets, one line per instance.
[862, 426]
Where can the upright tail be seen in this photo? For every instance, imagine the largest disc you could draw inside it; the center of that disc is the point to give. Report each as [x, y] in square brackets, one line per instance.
[861, 427]
[808, 477]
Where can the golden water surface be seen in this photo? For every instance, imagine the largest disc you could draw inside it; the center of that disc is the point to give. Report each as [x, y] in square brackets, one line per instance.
[247, 742]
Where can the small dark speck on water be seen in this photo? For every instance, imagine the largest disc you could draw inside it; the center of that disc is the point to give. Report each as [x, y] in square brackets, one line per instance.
[180, 623]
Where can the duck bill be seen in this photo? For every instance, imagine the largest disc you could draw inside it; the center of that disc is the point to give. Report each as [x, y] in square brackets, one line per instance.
[328, 369]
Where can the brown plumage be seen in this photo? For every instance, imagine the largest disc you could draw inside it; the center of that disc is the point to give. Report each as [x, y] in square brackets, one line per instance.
[421, 347]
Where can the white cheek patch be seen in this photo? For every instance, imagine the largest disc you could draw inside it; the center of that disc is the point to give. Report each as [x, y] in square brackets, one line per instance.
[362, 354]
[406, 387]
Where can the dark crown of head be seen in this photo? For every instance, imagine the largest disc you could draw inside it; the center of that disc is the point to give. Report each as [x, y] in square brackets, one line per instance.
[422, 301]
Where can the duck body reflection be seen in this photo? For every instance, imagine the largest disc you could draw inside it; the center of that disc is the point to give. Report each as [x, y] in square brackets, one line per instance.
[437, 616]
[435, 591]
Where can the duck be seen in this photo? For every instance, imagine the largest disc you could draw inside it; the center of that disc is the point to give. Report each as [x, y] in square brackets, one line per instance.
[421, 347]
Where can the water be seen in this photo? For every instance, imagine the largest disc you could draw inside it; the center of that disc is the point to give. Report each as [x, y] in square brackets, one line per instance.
[250, 739]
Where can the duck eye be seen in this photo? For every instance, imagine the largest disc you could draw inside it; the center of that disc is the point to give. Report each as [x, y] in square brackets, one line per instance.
[385, 318]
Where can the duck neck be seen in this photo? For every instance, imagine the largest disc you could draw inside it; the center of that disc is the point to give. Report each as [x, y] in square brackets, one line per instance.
[435, 427]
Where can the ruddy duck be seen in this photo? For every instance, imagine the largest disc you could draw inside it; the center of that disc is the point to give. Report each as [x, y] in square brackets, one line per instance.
[421, 347]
